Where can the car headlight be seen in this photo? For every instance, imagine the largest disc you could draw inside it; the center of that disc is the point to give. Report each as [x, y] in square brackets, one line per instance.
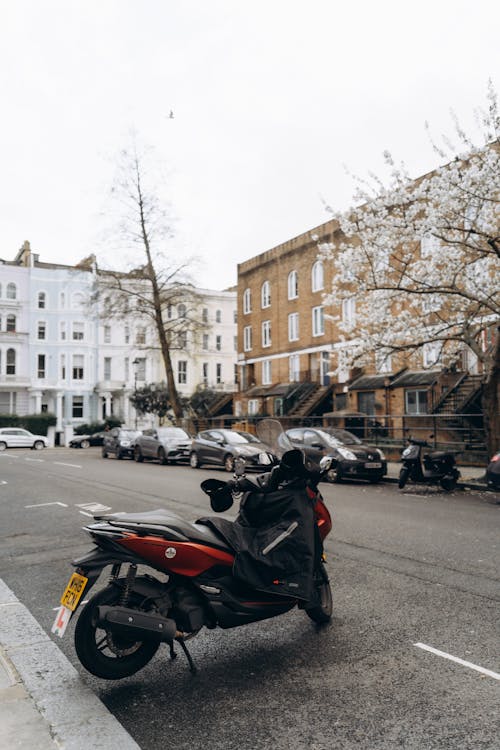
[124, 443]
[346, 453]
[381, 454]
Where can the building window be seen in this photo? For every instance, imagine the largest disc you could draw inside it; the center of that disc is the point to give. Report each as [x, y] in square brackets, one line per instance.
[293, 327]
[266, 333]
[78, 366]
[140, 337]
[235, 343]
[182, 339]
[416, 402]
[78, 300]
[11, 323]
[247, 301]
[41, 331]
[107, 368]
[349, 311]
[107, 334]
[181, 311]
[126, 369]
[253, 406]
[294, 368]
[235, 316]
[204, 315]
[266, 372]
[366, 402]
[11, 291]
[41, 300]
[140, 369]
[317, 276]
[62, 299]
[77, 407]
[265, 294]
[218, 343]
[204, 344]
[218, 373]
[431, 354]
[204, 373]
[247, 338]
[11, 362]
[182, 372]
[62, 331]
[63, 367]
[293, 285]
[218, 316]
[41, 366]
[126, 333]
[318, 321]
[78, 331]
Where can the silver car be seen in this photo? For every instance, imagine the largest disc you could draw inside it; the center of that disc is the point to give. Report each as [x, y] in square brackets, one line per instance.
[165, 444]
[16, 437]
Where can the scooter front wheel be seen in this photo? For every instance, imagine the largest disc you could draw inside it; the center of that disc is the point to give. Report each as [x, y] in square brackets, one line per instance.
[448, 483]
[403, 477]
[321, 610]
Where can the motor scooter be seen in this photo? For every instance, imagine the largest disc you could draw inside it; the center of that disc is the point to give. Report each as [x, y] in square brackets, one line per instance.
[436, 467]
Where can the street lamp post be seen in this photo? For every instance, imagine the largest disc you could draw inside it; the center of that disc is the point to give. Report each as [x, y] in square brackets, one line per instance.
[135, 364]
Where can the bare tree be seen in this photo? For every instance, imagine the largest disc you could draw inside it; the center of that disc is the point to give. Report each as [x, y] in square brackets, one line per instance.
[420, 260]
[158, 288]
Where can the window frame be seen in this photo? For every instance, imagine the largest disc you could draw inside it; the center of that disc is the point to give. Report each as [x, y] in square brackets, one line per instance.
[317, 276]
[265, 295]
[318, 320]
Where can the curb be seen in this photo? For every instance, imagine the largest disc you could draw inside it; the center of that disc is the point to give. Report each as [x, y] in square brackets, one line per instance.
[77, 719]
[461, 484]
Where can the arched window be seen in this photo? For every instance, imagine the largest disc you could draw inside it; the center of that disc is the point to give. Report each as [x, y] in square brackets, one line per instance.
[317, 276]
[11, 291]
[11, 323]
[41, 300]
[247, 301]
[181, 311]
[265, 294]
[10, 362]
[293, 285]
[78, 300]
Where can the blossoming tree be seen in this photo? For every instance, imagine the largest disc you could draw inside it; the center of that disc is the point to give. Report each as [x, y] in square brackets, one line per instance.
[419, 261]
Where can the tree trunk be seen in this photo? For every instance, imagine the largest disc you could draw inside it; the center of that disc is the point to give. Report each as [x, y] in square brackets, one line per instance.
[491, 400]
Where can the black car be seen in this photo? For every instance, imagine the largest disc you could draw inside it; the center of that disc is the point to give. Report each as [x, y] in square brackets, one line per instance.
[85, 441]
[120, 441]
[221, 447]
[493, 472]
[354, 460]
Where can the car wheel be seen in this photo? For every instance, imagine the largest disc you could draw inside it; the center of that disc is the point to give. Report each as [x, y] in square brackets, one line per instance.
[162, 457]
[229, 462]
[38, 445]
[85, 444]
[194, 461]
[138, 455]
[3, 446]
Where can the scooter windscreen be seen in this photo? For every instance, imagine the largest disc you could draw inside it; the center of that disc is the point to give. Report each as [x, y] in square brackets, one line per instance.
[270, 432]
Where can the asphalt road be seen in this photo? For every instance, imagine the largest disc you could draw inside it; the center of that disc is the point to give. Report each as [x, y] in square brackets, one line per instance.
[406, 568]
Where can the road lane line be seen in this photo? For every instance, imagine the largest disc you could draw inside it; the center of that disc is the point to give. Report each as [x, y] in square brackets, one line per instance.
[469, 664]
[61, 463]
[38, 460]
[84, 513]
[40, 505]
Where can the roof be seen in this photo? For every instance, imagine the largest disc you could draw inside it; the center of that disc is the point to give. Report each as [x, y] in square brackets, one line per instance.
[420, 377]
[369, 382]
[278, 389]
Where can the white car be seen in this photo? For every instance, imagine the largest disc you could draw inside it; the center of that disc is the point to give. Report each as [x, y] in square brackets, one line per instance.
[16, 437]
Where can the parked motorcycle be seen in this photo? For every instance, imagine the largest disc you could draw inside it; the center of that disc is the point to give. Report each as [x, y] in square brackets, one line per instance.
[190, 579]
[436, 467]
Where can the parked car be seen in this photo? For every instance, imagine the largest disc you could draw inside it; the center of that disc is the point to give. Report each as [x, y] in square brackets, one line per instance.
[221, 447]
[165, 444]
[85, 441]
[493, 472]
[354, 460]
[120, 441]
[16, 437]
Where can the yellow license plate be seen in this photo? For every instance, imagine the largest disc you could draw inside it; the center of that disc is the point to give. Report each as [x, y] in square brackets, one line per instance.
[73, 591]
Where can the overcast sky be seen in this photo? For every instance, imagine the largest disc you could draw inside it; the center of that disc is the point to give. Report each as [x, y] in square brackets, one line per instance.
[271, 98]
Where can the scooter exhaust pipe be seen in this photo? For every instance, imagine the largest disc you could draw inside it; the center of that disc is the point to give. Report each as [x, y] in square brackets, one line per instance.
[134, 623]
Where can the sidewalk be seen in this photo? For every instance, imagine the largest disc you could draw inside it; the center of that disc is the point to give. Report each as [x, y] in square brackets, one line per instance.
[470, 476]
[44, 703]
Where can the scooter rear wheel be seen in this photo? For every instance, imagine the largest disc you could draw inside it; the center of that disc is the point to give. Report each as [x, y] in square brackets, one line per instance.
[403, 477]
[448, 483]
[105, 654]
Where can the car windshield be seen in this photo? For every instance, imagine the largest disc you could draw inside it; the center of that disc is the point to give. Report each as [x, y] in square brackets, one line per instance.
[173, 432]
[129, 433]
[235, 438]
[340, 437]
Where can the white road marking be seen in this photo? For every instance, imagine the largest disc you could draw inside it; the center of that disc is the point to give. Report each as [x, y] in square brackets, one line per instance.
[60, 463]
[469, 664]
[2, 481]
[84, 513]
[38, 460]
[93, 507]
[40, 505]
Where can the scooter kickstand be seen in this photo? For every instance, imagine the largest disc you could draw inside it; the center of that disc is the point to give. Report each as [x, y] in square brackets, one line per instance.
[192, 667]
